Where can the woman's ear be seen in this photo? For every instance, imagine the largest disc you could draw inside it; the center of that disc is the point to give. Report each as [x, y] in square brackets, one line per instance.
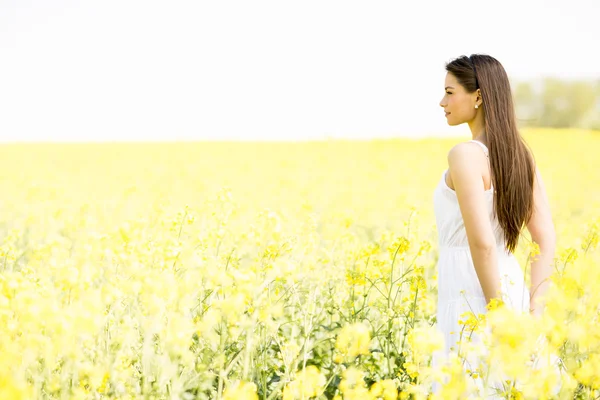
[478, 97]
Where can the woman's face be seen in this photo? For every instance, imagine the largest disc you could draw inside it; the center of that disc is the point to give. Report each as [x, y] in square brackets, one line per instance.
[457, 103]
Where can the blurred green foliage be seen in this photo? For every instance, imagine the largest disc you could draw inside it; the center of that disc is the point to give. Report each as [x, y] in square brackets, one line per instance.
[558, 103]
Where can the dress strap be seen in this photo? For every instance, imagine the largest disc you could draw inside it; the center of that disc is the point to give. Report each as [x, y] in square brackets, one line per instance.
[483, 146]
[485, 150]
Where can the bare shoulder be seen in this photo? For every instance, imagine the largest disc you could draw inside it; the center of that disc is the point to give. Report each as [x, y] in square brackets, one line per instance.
[465, 162]
[463, 153]
[461, 161]
[465, 149]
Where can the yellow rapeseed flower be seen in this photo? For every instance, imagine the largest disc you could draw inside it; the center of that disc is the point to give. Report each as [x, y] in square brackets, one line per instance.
[308, 383]
[354, 340]
[241, 390]
[385, 389]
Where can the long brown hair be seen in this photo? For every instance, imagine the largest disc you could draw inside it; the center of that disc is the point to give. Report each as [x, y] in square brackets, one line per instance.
[511, 160]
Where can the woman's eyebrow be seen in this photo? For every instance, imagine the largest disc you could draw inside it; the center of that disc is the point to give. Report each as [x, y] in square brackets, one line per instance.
[448, 87]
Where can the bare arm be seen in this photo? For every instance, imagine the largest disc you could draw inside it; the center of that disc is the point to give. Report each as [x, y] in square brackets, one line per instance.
[541, 228]
[470, 192]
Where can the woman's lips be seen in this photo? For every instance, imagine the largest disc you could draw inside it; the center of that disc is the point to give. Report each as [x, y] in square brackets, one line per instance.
[447, 114]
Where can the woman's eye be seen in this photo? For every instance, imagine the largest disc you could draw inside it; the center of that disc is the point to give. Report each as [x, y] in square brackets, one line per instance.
[448, 93]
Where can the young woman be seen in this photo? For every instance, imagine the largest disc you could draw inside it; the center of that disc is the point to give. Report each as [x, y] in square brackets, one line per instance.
[490, 190]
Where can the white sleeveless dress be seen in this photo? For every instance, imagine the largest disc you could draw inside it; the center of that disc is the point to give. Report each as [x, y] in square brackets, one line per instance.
[459, 289]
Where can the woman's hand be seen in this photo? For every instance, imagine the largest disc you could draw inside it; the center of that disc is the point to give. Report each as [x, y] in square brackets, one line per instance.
[537, 311]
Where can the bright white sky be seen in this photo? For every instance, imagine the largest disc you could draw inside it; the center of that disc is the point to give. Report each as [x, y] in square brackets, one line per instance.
[176, 70]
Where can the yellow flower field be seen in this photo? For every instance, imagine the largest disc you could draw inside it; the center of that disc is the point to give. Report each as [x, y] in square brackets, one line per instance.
[271, 271]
